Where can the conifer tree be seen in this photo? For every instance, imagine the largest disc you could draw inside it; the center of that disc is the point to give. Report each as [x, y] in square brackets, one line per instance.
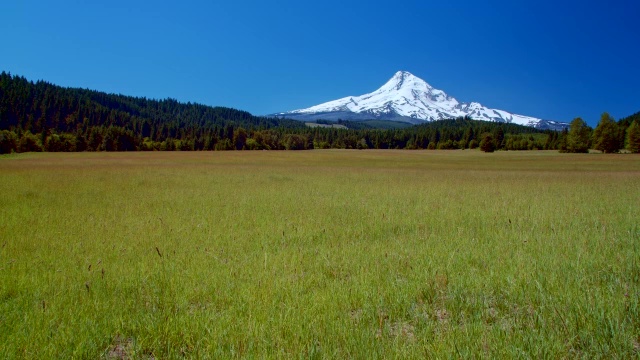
[578, 137]
[498, 138]
[633, 137]
[562, 140]
[605, 137]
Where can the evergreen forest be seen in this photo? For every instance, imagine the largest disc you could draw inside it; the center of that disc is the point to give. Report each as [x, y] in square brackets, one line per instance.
[39, 116]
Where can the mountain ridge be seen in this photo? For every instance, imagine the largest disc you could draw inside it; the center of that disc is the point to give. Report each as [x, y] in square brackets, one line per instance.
[406, 97]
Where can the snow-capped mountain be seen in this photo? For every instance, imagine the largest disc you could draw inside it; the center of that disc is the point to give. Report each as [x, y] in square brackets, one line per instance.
[408, 98]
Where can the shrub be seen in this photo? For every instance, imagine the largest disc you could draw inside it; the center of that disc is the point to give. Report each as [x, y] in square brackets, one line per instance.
[8, 143]
[29, 143]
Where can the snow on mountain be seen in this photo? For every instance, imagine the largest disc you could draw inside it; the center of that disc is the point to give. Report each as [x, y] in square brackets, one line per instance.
[408, 98]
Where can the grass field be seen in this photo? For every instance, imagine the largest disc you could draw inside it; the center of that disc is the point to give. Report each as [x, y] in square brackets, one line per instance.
[319, 254]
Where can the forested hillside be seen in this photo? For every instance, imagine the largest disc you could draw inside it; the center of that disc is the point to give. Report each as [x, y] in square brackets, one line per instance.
[69, 119]
[44, 117]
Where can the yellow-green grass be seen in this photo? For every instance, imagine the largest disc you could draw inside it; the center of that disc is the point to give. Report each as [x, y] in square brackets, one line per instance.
[319, 254]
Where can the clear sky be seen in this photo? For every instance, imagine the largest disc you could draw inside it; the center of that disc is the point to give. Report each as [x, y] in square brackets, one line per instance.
[550, 59]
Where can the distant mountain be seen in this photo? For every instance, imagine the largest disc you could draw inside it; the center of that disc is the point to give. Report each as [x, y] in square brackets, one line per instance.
[408, 98]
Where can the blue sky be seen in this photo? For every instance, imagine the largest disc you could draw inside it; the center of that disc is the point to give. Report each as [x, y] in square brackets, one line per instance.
[549, 59]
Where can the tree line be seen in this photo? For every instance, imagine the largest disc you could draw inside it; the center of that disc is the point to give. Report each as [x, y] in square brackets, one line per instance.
[44, 117]
[609, 136]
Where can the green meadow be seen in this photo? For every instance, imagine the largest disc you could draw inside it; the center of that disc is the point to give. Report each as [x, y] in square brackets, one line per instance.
[319, 254]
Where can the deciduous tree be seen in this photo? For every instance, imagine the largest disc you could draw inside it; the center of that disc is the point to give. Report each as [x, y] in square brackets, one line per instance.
[487, 144]
[8, 142]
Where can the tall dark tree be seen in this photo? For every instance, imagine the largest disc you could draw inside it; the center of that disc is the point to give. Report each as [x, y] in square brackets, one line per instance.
[562, 140]
[605, 136]
[578, 137]
[633, 137]
[239, 138]
[498, 138]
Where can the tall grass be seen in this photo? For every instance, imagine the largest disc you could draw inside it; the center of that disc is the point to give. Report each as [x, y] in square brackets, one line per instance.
[319, 254]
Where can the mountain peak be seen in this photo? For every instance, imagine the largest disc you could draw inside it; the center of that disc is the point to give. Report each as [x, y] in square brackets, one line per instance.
[403, 74]
[405, 79]
[406, 97]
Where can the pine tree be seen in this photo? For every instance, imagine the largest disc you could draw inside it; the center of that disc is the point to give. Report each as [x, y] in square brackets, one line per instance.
[498, 138]
[562, 140]
[578, 137]
[633, 137]
[605, 137]
[239, 138]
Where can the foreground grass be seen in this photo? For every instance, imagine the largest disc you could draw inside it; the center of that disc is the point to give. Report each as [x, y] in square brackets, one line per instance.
[319, 254]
